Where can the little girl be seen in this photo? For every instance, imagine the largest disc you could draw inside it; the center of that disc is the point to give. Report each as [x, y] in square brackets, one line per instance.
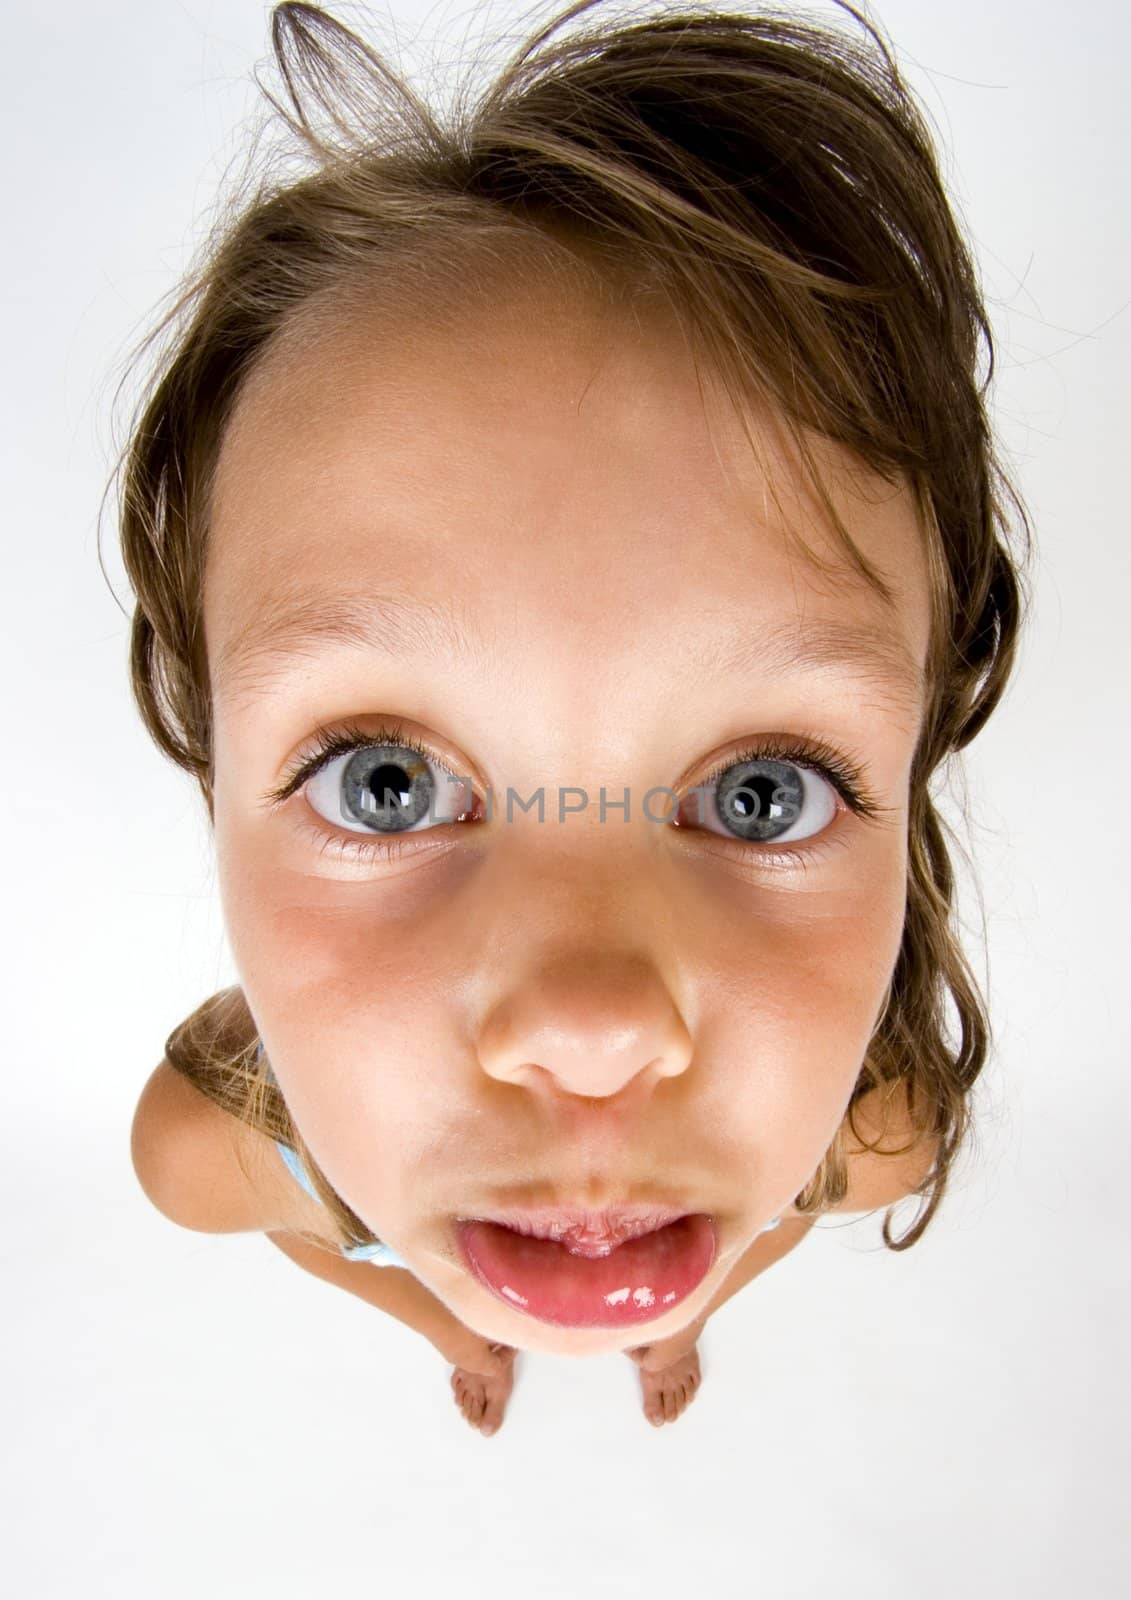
[567, 542]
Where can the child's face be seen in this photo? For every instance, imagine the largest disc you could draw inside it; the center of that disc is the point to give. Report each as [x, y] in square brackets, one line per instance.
[530, 1012]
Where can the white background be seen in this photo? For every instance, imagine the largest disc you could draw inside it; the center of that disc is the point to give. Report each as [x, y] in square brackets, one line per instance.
[189, 1414]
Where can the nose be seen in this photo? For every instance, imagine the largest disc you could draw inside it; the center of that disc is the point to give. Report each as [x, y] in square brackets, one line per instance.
[588, 1024]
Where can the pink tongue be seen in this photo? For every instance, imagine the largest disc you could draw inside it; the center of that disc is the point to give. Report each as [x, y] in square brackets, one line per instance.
[637, 1282]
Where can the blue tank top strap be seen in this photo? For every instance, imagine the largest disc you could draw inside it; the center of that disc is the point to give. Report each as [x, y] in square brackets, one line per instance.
[294, 1162]
[381, 1255]
[291, 1157]
[770, 1225]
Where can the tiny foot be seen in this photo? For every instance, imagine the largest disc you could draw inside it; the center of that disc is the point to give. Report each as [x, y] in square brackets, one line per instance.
[482, 1399]
[668, 1393]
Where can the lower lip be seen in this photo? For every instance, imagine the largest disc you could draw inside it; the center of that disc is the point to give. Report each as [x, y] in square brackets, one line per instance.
[637, 1282]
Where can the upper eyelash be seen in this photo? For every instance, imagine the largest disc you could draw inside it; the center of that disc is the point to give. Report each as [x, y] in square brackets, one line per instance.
[339, 741]
[847, 776]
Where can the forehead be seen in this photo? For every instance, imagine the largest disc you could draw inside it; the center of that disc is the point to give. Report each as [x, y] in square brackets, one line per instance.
[545, 470]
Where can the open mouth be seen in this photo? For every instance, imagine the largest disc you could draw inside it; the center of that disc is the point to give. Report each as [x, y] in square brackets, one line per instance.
[636, 1281]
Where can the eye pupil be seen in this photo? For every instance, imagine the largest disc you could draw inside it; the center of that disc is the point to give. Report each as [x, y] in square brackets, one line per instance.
[747, 802]
[390, 784]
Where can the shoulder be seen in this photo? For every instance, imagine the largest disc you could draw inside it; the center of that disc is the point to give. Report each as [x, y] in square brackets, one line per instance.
[207, 1170]
[887, 1156]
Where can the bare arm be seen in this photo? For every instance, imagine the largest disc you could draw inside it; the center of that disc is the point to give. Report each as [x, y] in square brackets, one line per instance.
[206, 1170]
[766, 1249]
[391, 1289]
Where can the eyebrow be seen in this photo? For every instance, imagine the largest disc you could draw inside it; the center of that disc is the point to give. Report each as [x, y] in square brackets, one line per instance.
[290, 631]
[875, 655]
[283, 635]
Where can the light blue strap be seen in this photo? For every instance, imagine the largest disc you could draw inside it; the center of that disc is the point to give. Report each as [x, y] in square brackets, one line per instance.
[381, 1255]
[291, 1157]
[770, 1225]
[297, 1169]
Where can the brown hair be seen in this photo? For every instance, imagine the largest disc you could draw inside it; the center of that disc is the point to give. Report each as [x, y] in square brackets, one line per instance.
[773, 177]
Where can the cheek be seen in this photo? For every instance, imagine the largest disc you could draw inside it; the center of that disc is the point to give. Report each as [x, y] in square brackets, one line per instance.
[347, 979]
[814, 960]
[835, 967]
[795, 1017]
[321, 948]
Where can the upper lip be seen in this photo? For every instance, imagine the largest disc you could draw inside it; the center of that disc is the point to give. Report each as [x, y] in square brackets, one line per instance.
[586, 1230]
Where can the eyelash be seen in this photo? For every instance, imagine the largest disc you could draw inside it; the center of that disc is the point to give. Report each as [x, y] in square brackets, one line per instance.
[845, 776]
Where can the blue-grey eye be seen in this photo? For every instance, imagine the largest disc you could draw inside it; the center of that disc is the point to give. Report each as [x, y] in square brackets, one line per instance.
[385, 788]
[764, 801]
